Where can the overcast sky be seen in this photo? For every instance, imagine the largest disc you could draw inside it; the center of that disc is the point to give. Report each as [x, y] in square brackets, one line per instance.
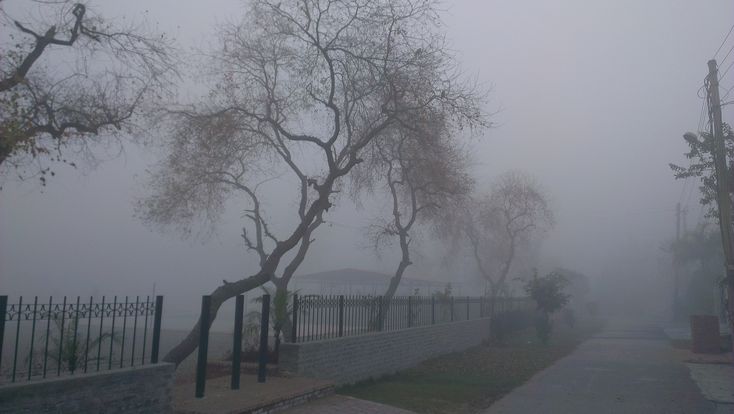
[594, 98]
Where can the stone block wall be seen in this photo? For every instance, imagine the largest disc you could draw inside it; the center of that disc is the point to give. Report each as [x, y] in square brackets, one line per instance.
[352, 359]
[137, 390]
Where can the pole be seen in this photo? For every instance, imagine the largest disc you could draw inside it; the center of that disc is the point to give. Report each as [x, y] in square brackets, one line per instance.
[156, 329]
[3, 311]
[206, 302]
[341, 315]
[294, 325]
[722, 185]
[262, 365]
[676, 271]
[239, 310]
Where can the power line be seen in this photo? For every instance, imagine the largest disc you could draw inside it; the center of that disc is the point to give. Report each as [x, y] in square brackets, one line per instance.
[728, 91]
[724, 41]
[727, 54]
[726, 71]
[701, 116]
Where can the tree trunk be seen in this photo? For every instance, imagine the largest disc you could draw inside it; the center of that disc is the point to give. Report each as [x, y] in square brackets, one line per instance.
[281, 284]
[267, 272]
[395, 280]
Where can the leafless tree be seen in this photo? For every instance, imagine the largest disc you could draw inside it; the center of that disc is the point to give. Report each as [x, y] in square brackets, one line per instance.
[496, 225]
[300, 89]
[70, 76]
[422, 166]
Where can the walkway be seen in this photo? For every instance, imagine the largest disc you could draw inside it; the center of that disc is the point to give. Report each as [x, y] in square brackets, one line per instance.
[625, 369]
[339, 404]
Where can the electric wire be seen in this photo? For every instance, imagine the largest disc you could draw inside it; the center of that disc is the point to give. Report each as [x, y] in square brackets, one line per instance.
[728, 91]
[727, 55]
[724, 41]
[726, 71]
[701, 116]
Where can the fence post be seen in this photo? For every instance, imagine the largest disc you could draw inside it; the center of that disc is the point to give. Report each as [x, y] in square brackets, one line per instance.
[452, 309]
[239, 309]
[294, 325]
[206, 302]
[410, 311]
[3, 312]
[467, 308]
[341, 315]
[433, 310]
[156, 329]
[380, 312]
[264, 325]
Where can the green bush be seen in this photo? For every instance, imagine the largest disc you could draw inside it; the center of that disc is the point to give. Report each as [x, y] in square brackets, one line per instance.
[548, 294]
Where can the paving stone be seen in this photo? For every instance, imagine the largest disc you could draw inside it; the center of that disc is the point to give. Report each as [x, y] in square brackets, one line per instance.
[716, 381]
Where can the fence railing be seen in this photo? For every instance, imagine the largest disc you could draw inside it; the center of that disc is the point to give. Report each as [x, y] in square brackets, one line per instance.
[41, 338]
[316, 317]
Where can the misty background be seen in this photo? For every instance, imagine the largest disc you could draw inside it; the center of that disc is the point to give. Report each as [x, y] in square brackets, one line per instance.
[592, 99]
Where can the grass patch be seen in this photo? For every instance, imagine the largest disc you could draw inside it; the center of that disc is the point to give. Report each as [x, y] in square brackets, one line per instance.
[473, 379]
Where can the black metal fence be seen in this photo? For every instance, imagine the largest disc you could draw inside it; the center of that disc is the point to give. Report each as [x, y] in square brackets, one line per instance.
[316, 317]
[47, 338]
[205, 324]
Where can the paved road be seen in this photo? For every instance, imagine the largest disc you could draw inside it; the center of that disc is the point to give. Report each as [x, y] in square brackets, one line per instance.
[339, 404]
[625, 369]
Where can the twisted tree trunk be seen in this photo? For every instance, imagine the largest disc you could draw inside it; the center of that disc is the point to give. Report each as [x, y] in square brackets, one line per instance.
[267, 272]
[220, 295]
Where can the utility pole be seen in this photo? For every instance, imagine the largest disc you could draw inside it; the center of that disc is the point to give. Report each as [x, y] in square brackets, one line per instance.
[723, 197]
[676, 262]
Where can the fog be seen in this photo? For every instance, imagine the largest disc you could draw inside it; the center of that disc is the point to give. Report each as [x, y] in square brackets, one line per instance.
[592, 98]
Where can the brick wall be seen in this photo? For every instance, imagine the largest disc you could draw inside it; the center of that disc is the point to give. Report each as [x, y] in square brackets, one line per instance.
[351, 359]
[137, 390]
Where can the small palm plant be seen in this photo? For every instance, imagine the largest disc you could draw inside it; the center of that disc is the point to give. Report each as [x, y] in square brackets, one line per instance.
[281, 305]
[69, 351]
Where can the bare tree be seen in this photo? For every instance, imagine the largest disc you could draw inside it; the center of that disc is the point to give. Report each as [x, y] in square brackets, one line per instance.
[496, 225]
[300, 89]
[68, 77]
[423, 168]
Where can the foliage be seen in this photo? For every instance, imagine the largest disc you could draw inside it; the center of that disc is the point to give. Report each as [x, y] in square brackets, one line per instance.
[73, 348]
[47, 107]
[422, 169]
[299, 92]
[577, 286]
[702, 147]
[699, 254]
[496, 226]
[445, 294]
[281, 307]
[548, 293]
[444, 298]
[505, 323]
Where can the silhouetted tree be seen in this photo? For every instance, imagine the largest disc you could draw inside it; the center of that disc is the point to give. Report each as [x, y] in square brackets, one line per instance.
[422, 167]
[300, 89]
[494, 226]
[69, 77]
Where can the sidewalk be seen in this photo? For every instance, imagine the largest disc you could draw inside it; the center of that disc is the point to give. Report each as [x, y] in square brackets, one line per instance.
[340, 404]
[625, 369]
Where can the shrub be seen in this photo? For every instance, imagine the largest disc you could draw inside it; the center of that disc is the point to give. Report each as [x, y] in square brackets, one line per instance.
[548, 294]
